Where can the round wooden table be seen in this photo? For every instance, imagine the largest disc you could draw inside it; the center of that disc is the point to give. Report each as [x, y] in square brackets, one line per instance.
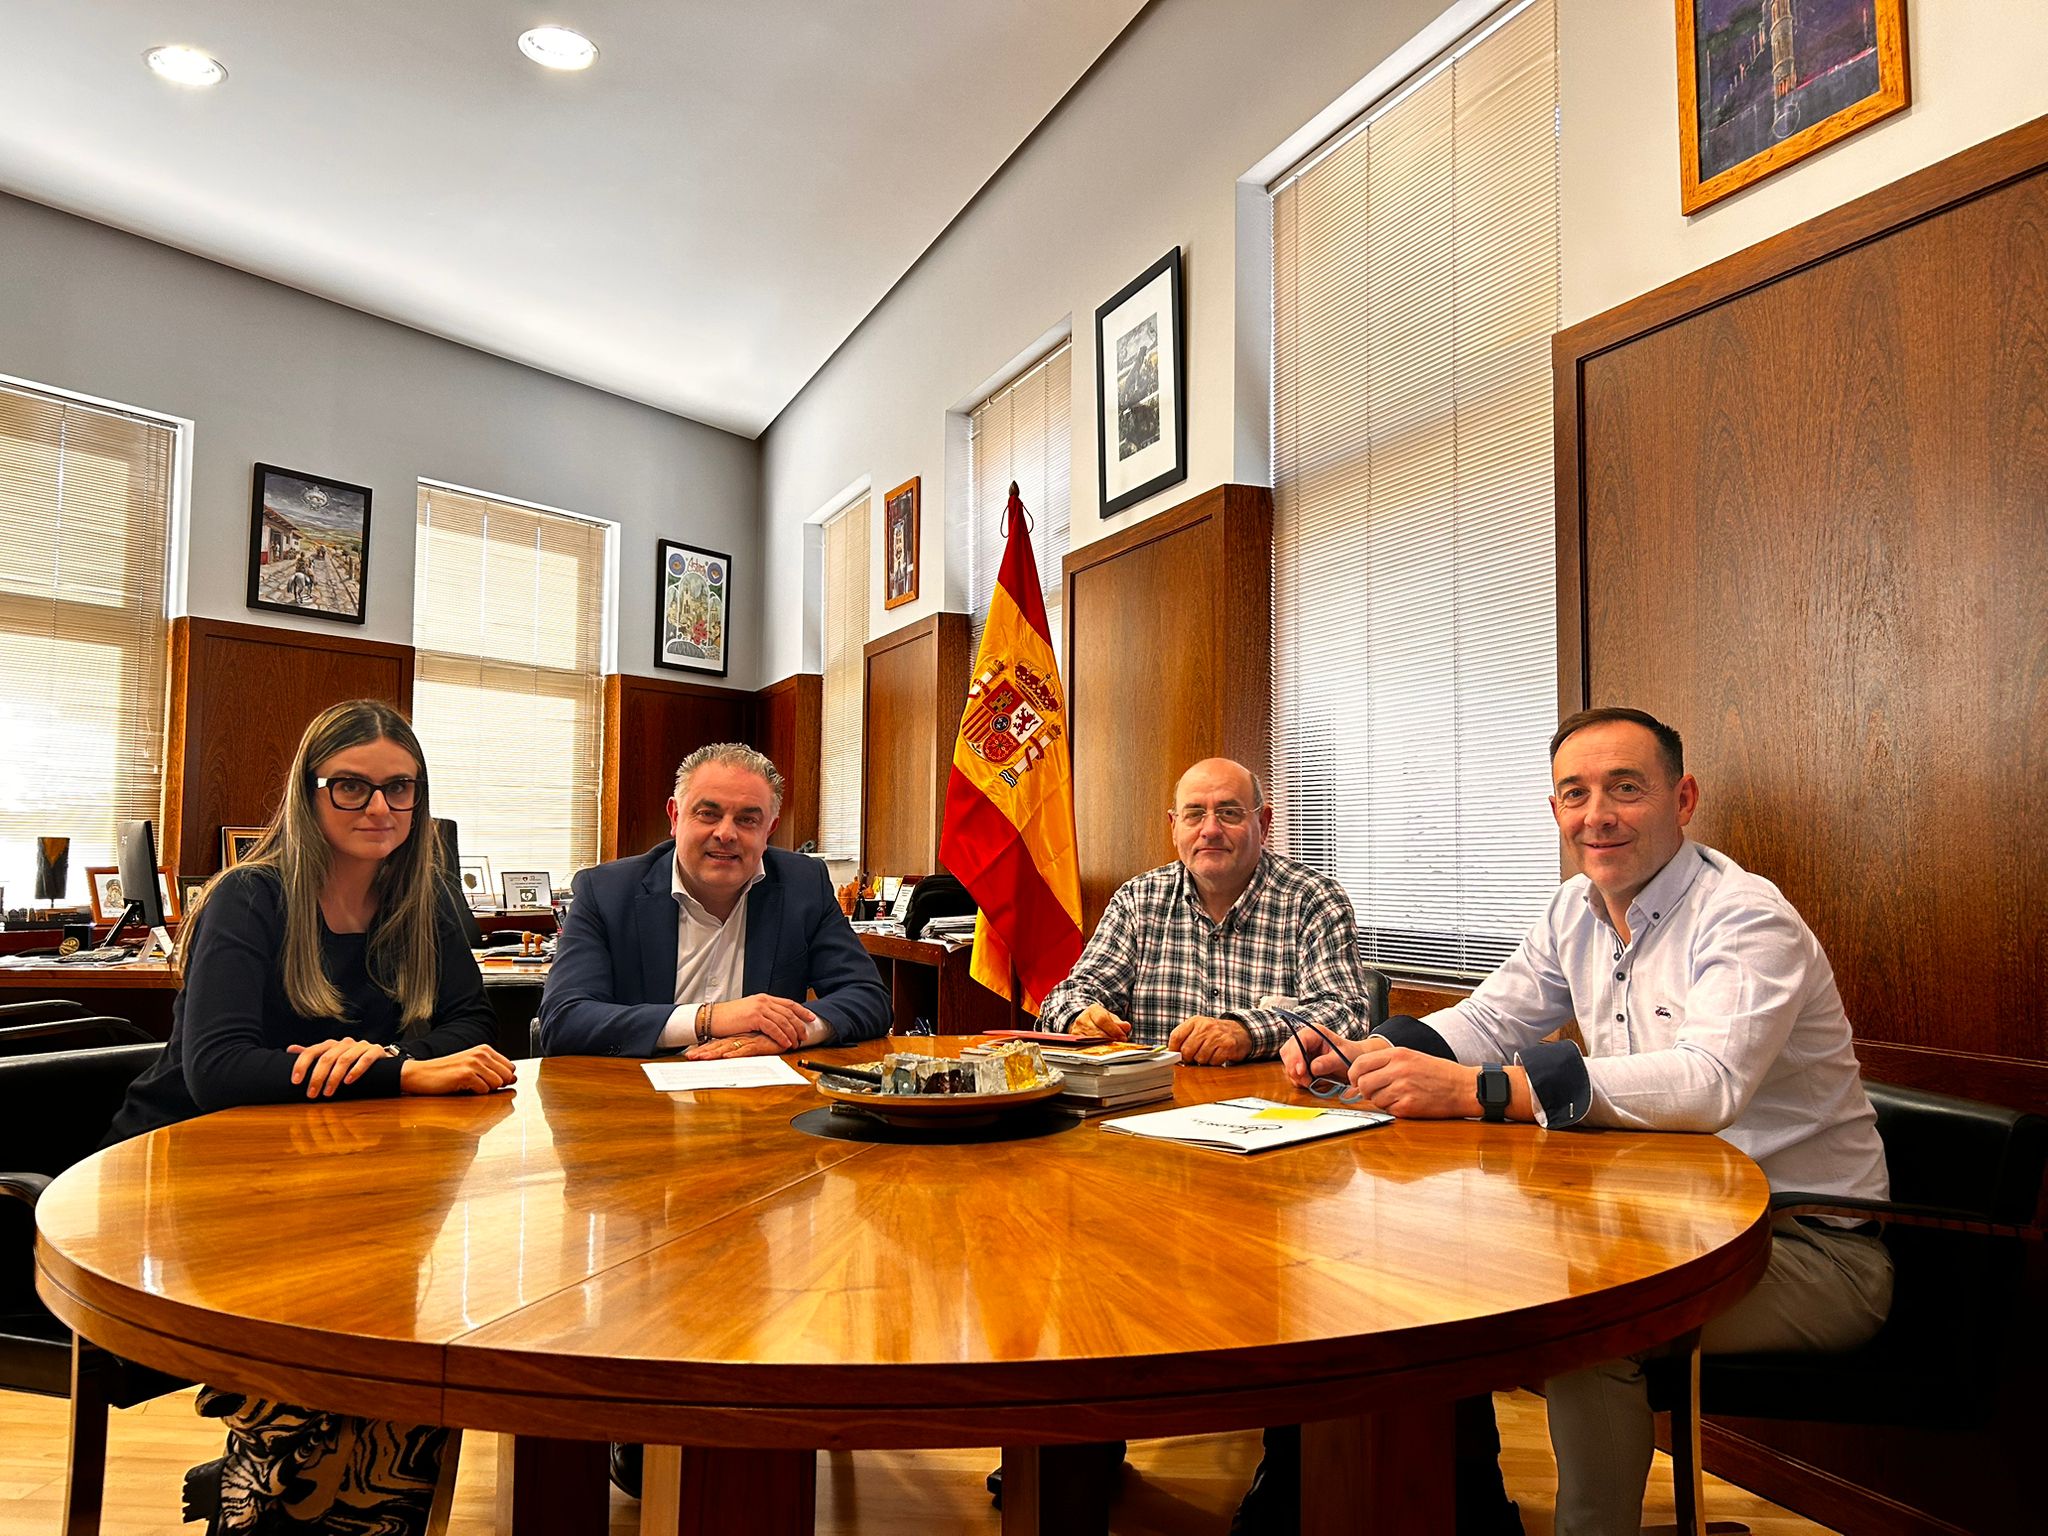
[586, 1259]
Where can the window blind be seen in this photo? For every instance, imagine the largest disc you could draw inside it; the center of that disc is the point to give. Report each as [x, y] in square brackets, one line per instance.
[1415, 290]
[847, 583]
[85, 498]
[508, 626]
[1020, 433]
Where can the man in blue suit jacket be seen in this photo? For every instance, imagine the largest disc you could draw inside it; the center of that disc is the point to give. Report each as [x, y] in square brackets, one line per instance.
[710, 944]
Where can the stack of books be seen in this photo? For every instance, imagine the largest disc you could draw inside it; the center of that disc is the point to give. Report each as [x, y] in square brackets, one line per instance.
[1111, 1076]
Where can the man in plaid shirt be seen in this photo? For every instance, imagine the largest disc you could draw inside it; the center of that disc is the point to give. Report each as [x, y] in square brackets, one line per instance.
[1185, 953]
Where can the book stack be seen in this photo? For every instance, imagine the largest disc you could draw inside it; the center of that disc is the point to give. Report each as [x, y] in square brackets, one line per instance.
[1112, 1076]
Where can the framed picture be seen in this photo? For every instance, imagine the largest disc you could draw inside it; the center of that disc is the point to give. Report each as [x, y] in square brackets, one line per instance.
[309, 545]
[528, 892]
[474, 876]
[692, 600]
[1141, 385]
[899, 545]
[105, 888]
[189, 888]
[1765, 83]
[237, 843]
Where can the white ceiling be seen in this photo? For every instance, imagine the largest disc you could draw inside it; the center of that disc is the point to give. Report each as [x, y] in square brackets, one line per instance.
[696, 222]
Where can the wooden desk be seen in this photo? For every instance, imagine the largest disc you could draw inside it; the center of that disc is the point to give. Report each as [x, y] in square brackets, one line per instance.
[140, 991]
[514, 1264]
[931, 982]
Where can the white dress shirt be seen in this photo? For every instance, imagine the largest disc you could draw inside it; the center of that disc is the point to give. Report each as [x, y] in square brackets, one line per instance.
[1719, 1014]
[711, 958]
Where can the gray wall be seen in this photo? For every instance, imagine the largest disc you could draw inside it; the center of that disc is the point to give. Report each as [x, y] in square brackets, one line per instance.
[269, 374]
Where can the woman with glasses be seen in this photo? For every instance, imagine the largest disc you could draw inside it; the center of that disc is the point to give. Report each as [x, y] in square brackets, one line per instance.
[328, 964]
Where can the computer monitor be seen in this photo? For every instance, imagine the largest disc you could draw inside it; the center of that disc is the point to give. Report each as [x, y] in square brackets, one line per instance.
[135, 855]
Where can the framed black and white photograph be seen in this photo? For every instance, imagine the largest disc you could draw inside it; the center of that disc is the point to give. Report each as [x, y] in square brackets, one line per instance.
[309, 545]
[474, 876]
[190, 888]
[1141, 378]
[530, 891]
[692, 603]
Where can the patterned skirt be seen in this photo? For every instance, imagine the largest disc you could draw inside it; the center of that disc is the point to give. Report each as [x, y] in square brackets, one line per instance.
[292, 1471]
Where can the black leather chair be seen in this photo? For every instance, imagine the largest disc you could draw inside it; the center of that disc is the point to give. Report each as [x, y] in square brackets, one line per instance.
[69, 1033]
[1377, 992]
[54, 1108]
[36, 1010]
[1967, 1196]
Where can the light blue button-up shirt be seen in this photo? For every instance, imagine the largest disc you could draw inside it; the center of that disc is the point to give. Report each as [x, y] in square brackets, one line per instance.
[1719, 1014]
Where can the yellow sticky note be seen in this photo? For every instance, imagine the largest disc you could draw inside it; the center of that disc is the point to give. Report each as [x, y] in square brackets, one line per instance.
[1283, 1112]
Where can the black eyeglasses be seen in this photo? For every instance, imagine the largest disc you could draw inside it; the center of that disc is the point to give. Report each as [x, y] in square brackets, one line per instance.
[346, 792]
[1338, 1088]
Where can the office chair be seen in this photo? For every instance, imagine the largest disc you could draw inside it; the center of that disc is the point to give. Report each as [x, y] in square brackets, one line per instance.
[38, 1009]
[1377, 991]
[54, 1108]
[1966, 1182]
[69, 1032]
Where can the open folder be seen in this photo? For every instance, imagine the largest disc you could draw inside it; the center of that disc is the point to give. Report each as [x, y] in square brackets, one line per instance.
[1248, 1125]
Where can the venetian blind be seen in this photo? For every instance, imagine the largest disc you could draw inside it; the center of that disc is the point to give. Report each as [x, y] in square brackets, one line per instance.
[847, 583]
[1415, 290]
[508, 625]
[1020, 433]
[85, 498]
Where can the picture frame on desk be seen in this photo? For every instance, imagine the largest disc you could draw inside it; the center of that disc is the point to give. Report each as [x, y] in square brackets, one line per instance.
[474, 877]
[527, 891]
[309, 545]
[692, 608]
[190, 888]
[900, 524]
[1762, 87]
[108, 901]
[237, 843]
[1141, 388]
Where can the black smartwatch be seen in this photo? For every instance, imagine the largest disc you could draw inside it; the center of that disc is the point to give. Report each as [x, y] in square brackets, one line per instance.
[1494, 1092]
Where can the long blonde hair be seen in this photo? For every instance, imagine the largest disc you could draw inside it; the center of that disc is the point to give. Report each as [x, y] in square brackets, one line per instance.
[404, 958]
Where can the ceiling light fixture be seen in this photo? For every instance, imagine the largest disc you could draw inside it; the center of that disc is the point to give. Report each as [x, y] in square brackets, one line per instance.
[186, 66]
[558, 48]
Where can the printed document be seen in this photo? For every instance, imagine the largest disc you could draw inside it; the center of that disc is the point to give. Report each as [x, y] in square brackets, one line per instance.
[734, 1072]
[1248, 1125]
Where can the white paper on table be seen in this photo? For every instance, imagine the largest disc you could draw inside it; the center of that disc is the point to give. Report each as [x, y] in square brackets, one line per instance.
[735, 1072]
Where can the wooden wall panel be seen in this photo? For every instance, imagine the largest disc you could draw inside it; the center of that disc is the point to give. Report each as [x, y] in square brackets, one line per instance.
[1813, 514]
[1168, 661]
[1803, 515]
[650, 725]
[914, 690]
[789, 727]
[241, 697]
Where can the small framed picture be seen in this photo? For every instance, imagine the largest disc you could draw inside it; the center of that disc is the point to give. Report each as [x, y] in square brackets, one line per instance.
[474, 877]
[528, 892]
[309, 544]
[692, 608]
[899, 545]
[1141, 386]
[237, 843]
[167, 894]
[189, 889]
[105, 888]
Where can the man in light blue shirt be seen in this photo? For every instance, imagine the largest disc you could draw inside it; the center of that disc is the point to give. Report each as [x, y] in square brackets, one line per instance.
[1705, 1004]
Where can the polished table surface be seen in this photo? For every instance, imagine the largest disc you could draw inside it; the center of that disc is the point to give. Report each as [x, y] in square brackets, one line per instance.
[586, 1258]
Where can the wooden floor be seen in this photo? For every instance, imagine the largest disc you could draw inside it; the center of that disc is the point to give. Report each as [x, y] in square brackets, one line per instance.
[1173, 1487]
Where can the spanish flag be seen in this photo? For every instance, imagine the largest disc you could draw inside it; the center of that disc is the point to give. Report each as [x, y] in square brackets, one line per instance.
[1009, 829]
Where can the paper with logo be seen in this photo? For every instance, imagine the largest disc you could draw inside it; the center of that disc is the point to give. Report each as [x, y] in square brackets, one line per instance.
[1246, 1125]
[1008, 834]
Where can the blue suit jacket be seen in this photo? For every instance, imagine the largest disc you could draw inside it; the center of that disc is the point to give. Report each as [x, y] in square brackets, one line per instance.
[612, 986]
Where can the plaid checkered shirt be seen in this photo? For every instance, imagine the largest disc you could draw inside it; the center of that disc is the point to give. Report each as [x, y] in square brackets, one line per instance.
[1157, 959]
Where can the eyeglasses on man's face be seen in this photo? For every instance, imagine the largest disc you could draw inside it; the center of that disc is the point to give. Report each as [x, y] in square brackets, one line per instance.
[1228, 814]
[346, 792]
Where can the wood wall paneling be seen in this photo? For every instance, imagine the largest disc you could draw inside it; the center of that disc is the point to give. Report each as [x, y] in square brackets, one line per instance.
[915, 687]
[789, 727]
[650, 725]
[1803, 515]
[1168, 661]
[241, 697]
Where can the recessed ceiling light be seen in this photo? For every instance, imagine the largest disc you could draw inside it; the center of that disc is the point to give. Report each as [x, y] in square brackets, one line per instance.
[186, 66]
[558, 48]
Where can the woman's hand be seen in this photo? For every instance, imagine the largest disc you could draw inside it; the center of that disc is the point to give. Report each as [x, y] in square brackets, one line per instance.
[326, 1066]
[476, 1070]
